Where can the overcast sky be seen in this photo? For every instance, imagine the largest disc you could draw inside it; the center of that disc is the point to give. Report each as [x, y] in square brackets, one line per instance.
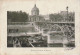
[45, 7]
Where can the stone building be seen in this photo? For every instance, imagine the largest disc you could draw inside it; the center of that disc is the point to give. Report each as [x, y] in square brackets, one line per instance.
[35, 10]
[35, 17]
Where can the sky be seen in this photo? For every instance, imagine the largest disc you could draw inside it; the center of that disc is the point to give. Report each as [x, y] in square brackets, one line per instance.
[45, 6]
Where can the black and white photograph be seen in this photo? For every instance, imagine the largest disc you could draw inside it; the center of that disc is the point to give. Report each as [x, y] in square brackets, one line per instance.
[40, 27]
[55, 29]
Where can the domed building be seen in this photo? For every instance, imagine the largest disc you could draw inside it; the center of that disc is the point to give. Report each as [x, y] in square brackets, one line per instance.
[35, 17]
[35, 10]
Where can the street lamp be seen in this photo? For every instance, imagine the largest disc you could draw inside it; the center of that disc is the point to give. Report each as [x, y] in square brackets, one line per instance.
[67, 13]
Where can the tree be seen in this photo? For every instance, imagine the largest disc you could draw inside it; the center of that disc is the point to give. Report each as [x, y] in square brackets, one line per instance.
[17, 16]
[56, 17]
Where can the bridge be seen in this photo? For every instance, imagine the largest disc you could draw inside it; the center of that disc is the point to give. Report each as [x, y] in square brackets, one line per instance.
[67, 28]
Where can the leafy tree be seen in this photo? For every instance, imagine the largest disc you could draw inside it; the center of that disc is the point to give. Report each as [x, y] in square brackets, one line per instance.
[17, 16]
[56, 17]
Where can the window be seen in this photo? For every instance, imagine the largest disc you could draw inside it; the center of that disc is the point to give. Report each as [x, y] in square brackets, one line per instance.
[13, 30]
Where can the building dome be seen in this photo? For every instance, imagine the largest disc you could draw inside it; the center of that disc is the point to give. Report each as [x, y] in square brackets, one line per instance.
[35, 10]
